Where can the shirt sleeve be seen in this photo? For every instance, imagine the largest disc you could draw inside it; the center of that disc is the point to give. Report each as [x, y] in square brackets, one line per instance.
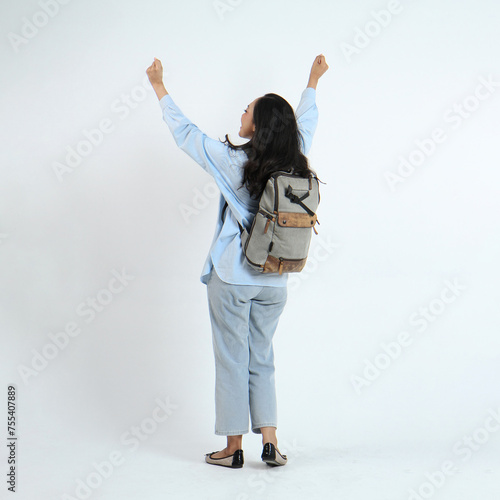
[212, 155]
[307, 118]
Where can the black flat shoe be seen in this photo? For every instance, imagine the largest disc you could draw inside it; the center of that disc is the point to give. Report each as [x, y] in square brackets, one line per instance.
[272, 456]
[235, 461]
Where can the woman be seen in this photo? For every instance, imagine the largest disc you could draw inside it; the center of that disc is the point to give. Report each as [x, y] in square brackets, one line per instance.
[245, 305]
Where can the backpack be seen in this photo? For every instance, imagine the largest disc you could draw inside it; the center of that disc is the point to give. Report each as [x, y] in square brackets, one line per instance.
[279, 238]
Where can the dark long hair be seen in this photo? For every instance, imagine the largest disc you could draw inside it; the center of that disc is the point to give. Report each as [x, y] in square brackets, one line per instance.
[275, 144]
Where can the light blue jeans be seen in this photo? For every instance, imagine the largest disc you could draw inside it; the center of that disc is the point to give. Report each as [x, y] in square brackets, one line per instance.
[244, 319]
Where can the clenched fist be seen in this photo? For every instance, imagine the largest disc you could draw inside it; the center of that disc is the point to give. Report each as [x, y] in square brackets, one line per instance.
[155, 72]
[319, 67]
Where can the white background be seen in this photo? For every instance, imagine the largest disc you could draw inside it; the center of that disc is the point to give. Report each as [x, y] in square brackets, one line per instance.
[382, 255]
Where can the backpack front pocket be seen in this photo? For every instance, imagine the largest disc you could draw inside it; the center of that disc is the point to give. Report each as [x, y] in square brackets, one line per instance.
[280, 265]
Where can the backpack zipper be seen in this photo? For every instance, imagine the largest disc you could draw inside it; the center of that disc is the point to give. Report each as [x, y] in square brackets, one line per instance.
[281, 259]
[270, 218]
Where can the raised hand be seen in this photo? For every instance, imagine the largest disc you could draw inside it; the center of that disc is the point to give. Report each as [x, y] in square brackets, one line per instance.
[155, 75]
[155, 72]
[318, 69]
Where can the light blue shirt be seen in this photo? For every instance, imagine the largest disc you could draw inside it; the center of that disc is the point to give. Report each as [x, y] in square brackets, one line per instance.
[226, 167]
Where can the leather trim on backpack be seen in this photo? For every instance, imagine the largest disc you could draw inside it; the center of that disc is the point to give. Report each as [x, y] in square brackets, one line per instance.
[286, 219]
[275, 265]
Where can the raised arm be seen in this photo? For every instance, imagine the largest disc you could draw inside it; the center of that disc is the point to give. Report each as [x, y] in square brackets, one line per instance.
[212, 155]
[307, 111]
